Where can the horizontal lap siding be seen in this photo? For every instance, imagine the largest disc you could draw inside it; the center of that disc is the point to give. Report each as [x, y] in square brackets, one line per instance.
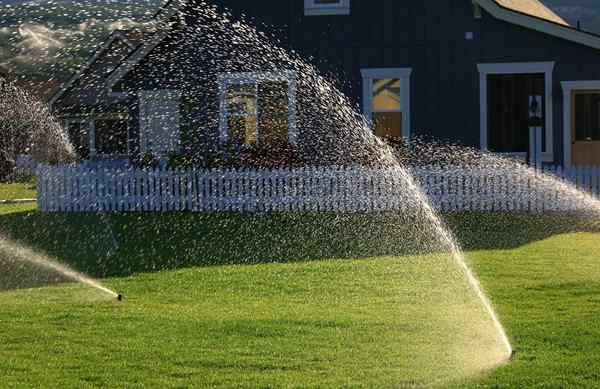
[428, 36]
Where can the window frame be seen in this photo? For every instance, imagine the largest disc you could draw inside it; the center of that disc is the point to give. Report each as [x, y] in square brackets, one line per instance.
[225, 80]
[568, 87]
[402, 74]
[547, 68]
[311, 8]
[91, 131]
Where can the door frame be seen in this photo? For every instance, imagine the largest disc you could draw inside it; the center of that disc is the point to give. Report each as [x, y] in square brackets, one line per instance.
[568, 88]
[546, 68]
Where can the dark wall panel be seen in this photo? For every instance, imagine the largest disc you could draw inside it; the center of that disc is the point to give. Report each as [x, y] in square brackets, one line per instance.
[426, 35]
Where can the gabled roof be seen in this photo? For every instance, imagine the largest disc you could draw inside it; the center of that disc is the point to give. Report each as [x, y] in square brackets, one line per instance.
[130, 38]
[536, 16]
[164, 28]
[533, 8]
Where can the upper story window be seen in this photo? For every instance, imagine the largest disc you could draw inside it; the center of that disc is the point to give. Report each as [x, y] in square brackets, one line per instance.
[326, 7]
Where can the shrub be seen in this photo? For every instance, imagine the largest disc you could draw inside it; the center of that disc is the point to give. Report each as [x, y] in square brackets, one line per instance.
[146, 161]
[28, 127]
[179, 161]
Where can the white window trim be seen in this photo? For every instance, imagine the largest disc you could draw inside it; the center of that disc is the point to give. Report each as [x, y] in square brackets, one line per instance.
[91, 131]
[568, 87]
[403, 74]
[227, 79]
[486, 69]
[311, 8]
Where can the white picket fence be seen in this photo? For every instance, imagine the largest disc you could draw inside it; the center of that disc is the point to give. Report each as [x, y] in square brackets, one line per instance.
[73, 189]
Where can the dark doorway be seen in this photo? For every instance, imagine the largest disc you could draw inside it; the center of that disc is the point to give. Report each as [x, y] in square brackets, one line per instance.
[508, 111]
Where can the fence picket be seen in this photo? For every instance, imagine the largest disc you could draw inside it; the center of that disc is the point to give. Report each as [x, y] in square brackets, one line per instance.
[338, 189]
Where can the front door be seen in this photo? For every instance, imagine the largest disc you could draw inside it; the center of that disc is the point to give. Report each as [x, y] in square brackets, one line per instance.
[509, 111]
[585, 127]
[159, 122]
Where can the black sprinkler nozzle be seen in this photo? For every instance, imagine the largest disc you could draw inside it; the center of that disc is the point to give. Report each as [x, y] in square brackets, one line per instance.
[120, 297]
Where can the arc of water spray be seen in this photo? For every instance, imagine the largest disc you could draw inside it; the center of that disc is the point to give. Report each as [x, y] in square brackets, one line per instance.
[26, 255]
[460, 260]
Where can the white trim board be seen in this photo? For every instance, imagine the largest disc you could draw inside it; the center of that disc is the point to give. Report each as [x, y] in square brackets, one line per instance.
[255, 78]
[568, 87]
[538, 24]
[103, 48]
[547, 68]
[403, 74]
[134, 58]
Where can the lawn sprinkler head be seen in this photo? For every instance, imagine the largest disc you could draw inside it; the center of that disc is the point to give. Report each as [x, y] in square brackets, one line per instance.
[120, 297]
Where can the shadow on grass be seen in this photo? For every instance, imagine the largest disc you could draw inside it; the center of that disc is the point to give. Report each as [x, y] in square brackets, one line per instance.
[124, 244]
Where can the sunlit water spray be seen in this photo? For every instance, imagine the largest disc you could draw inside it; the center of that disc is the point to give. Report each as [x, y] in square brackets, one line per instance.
[11, 251]
[331, 131]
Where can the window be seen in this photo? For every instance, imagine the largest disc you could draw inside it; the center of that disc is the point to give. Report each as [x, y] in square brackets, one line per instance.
[587, 116]
[111, 136]
[326, 7]
[78, 130]
[386, 100]
[257, 108]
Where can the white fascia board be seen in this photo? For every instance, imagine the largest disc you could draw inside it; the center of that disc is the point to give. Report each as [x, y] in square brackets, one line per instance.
[531, 22]
[134, 59]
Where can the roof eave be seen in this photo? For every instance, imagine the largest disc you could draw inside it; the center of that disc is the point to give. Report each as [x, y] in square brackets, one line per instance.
[542, 25]
[103, 48]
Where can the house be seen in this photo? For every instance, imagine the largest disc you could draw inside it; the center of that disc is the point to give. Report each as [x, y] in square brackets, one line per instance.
[97, 120]
[476, 72]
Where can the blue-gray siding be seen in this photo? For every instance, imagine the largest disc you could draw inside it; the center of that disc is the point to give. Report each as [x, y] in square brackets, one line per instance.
[427, 36]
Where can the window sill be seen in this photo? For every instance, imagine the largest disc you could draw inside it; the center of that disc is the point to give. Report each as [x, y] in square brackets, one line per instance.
[327, 11]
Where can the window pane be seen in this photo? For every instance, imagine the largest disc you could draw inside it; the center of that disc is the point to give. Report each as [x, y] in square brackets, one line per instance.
[241, 99]
[111, 136]
[386, 95]
[273, 121]
[388, 124]
[587, 117]
[242, 129]
[508, 111]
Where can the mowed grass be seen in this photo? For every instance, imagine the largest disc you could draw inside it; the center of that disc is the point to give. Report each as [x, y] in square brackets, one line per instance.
[277, 301]
[17, 191]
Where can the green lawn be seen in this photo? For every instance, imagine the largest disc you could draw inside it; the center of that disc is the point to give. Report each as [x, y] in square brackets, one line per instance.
[17, 191]
[288, 301]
